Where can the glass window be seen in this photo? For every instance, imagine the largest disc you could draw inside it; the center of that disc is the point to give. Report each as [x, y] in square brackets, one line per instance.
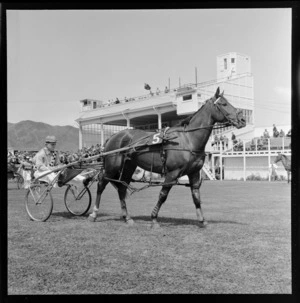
[225, 63]
[187, 97]
[232, 60]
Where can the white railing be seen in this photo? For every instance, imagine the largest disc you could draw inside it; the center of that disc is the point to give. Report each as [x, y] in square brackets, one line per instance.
[161, 93]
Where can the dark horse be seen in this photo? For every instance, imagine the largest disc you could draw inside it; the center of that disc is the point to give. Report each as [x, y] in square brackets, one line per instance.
[286, 163]
[184, 154]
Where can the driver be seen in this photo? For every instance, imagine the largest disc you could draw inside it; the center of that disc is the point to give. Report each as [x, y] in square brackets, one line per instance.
[47, 159]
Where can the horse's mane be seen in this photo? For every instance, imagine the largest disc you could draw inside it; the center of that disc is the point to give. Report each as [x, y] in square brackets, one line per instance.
[187, 120]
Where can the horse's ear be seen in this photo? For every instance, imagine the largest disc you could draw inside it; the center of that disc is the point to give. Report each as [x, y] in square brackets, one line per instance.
[217, 92]
[222, 93]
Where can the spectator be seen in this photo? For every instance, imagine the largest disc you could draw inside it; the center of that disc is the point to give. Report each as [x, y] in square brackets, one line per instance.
[273, 171]
[275, 131]
[266, 134]
[217, 141]
[260, 143]
[225, 141]
[222, 141]
[157, 91]
[233, 138]
[240, 145]
[117, 101]
[281, 134]
[289, 134]
[126, 100]
[252, 144]
[166, 90]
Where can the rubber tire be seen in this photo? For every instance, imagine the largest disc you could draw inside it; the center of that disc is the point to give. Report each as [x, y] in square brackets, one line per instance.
[88, 192]
[31, 216]
[20, 181]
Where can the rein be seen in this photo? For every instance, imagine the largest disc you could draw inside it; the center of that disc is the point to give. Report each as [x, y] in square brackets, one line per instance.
[203, 127]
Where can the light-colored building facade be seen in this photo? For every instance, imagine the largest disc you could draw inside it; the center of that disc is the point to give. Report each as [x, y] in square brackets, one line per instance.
[166, 108]
[98, 120]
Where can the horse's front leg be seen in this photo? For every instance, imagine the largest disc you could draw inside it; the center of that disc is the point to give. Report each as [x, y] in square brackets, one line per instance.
[161, 199]
[195, 183]
[170, 178]
[100, 188]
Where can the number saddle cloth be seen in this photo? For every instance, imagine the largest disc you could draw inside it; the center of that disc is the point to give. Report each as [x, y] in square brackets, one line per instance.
[155, 142]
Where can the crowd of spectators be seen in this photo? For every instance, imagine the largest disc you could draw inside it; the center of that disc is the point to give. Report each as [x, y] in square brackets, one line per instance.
[125, 99]
[221, 142]
[26, 158]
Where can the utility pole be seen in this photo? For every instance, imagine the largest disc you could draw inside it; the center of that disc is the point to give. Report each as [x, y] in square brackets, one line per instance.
[196, 76]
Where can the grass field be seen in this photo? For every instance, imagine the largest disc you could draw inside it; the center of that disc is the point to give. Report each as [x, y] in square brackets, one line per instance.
[246, 247]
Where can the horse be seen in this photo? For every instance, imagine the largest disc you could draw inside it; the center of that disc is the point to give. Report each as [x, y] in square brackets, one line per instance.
[286, 163]
[183, 154]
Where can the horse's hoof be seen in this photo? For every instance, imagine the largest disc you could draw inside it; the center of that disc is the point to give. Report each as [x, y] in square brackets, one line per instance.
[155, 225]
[91, 219]
[129, 222]
[202, 224]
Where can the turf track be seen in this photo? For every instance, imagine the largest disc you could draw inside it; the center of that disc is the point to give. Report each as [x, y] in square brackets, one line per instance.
[246, 247]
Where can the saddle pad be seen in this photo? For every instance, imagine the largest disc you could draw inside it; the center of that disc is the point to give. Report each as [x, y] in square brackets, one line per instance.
[155, 139]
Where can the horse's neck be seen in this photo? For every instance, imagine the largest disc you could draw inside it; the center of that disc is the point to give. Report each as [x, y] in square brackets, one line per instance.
[202, 123]
[285, 160]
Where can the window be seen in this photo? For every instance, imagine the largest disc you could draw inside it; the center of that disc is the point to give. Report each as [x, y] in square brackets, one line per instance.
[225, 63]
[94, 105]
[187, 97]
[232, 60]
[84, 103]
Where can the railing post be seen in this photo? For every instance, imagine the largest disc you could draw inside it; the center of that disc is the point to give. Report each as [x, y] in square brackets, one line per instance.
[213, 166]
[283, 144]
[244, 158]
[269, 159]
[80, 136]
[221, 168]
[102, 134]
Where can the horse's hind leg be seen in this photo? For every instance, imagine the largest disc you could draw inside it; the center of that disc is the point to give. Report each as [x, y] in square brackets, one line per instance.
[129, 168]
[195, 183]
[122, 191]
[100, 188]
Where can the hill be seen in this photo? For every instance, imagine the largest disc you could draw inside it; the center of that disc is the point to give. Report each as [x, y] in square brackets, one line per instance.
[30, 135]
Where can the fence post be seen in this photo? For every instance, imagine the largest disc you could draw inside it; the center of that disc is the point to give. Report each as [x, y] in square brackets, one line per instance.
[244, 159]
[283, 144]
[269, 159]
[221, 167]
[213, 165]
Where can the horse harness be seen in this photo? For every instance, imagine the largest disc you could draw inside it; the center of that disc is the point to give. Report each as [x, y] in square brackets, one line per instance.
[165, 138]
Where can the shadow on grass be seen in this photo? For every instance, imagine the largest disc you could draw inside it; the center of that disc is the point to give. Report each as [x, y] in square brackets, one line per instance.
[176, 221]
[68, 215]
[104, 217]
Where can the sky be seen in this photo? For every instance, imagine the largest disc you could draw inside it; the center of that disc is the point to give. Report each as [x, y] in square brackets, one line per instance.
[55, 58]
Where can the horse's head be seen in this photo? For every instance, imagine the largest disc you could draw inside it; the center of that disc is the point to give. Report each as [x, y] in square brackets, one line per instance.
[225, 112]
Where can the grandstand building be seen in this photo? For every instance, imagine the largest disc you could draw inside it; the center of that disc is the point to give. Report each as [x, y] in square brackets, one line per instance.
[154, 111]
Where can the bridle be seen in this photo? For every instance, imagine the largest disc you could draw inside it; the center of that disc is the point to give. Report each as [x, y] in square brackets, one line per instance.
[222, 125]
[222, 110]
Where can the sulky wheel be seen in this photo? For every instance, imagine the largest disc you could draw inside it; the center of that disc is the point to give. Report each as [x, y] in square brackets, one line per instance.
[77, 199]
[38, 202]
